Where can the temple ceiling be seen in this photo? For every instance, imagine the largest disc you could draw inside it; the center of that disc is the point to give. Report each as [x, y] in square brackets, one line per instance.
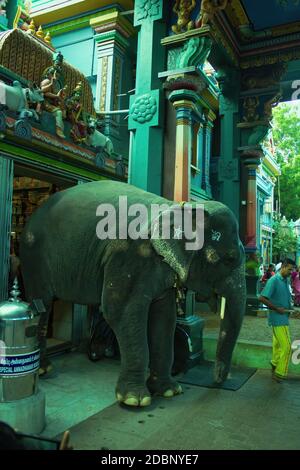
[264, 18]
[271, 13]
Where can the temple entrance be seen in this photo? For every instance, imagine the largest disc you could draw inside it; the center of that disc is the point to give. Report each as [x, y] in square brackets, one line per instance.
[31, 188]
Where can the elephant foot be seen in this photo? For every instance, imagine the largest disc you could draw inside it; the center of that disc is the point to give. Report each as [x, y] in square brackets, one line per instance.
[166, 388]
[136, 396]
[220, 372]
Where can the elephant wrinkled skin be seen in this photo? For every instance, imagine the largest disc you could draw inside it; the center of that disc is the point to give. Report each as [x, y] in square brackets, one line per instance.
[133, 280]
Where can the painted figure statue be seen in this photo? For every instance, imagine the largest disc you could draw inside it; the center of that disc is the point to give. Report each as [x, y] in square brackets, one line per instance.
[96, 139]
[54, 93]
[18, 99]
[74, 115]
[208, 10]
[183, 9]
[2, 7]
[66, 254]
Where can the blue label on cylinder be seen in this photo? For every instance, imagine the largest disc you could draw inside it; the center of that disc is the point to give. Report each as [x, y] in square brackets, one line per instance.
[21, 364]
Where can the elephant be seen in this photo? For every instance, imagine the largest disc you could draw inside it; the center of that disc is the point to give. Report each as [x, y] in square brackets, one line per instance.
[134, 279]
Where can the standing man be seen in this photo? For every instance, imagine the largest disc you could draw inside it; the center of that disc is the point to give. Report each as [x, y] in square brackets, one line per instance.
[277, 296]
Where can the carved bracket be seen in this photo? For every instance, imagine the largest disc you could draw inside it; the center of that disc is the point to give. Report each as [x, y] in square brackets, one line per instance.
[194, 52]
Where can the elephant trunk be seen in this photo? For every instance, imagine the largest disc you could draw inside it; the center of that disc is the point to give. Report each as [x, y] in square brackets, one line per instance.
[234, 290]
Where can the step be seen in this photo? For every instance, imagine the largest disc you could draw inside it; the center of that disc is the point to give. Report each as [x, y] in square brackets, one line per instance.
[246, 353]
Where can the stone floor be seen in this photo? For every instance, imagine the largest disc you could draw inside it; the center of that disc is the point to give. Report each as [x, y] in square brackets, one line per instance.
[261, 415]
[80, 397]
[77, 389]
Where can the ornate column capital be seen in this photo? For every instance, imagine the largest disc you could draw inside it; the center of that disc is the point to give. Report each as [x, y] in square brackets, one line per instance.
[178, 97]
[252, 158]
[184, 101]
[111, 21]
[210, 116]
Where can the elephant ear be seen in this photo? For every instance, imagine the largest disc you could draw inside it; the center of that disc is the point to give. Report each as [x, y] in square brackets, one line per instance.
[174, 250]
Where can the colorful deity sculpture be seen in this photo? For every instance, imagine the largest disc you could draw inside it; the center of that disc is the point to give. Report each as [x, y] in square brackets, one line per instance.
[183, 9]
[74, 115]
[208, 10]
[54, 93]
[2, 7]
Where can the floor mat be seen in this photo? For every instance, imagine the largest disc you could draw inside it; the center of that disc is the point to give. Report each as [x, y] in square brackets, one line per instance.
[202, 375]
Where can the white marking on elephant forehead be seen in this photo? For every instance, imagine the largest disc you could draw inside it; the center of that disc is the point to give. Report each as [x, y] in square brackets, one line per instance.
[30, 238]
[211, 255]
[216, 236]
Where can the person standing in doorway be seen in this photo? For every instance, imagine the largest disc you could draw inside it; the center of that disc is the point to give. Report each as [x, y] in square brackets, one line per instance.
[276, 295]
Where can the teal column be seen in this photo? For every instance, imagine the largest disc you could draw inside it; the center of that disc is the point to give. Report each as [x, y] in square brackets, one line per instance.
[229, 165]
[111, 50]
[6, 192]
[146, 106]
[207, 145]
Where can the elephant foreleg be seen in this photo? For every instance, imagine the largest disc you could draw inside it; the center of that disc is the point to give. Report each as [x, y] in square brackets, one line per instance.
[129, 324]
[162, 322]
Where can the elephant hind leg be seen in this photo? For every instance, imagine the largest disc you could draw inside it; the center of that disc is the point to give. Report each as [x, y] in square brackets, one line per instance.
[162, 322]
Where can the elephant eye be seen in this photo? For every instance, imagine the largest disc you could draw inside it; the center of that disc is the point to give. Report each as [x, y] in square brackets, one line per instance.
[230, 259]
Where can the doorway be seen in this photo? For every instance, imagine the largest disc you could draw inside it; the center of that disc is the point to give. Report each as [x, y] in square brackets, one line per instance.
[31, 188]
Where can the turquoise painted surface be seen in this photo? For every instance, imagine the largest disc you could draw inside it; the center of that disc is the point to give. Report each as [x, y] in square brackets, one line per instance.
[78, 49]
[147, 145]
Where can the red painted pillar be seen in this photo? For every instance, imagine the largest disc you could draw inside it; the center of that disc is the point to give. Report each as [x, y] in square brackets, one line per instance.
[183, 101]
[251, 227]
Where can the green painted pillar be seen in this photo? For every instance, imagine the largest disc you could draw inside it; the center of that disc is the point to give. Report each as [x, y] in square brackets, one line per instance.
[146, 106]
[229, 166]
[6, 192]
[112, 34]
[207, 146]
